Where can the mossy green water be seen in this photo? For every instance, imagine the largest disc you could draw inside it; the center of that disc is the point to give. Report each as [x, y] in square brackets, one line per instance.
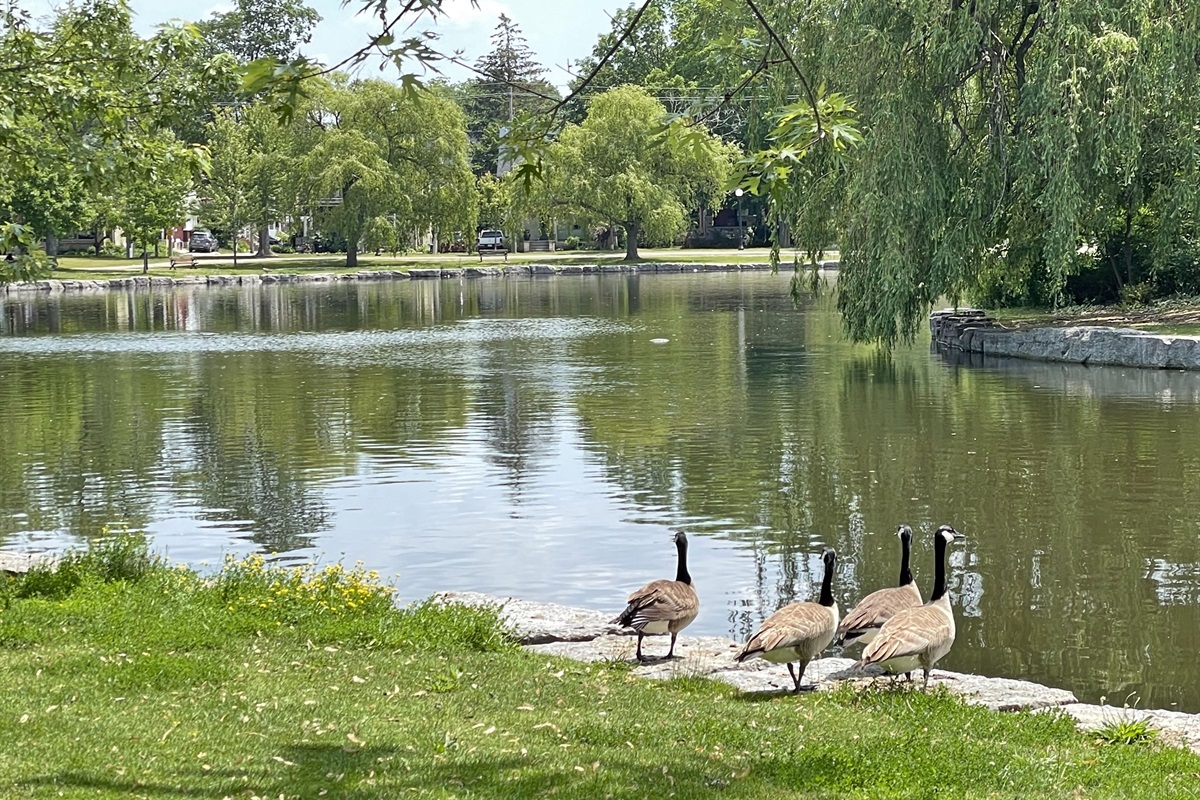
[120, 681]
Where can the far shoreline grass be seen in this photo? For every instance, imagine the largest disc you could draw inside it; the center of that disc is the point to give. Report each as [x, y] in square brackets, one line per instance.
[122, 676]
[88, 268]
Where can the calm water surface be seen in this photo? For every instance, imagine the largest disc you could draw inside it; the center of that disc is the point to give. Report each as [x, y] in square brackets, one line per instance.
[526, 437]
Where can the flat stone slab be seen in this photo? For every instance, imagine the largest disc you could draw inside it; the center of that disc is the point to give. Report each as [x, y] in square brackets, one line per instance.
[694, 655]
[16, 563]
[538, 623]
[585, 635]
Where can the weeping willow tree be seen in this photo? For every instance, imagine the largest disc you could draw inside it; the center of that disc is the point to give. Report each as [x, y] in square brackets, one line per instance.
[1006, 145]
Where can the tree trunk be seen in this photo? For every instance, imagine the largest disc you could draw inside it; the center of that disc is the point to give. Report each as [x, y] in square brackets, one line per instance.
[51, 245]
[235, 244]
[351, 255]
[612, 236]
[632, 229]
[145, 261]
[264, 242]
[1127, 248]
[98, 240]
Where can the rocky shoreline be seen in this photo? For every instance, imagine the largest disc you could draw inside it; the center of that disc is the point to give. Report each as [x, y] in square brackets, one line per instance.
[586, 635]
[415, 273]
[971, 331]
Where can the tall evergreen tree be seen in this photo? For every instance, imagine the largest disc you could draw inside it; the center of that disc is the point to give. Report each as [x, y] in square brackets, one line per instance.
[511, 82]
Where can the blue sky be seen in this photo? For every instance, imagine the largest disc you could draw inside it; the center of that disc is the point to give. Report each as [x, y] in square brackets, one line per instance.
[559, 31]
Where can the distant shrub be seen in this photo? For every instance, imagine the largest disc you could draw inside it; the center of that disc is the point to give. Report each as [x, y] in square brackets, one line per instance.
[283, 249]
[112, 250]
[572, 243]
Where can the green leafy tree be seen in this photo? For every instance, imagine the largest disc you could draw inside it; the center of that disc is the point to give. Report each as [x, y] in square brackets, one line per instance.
[1008, 147]
[254, 29]
[227, 200]
[157, 197]
[83, 109]
[623, 165]
[374, 150]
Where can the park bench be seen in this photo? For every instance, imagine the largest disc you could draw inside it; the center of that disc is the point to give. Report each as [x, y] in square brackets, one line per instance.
[192, 259]
[503, 251]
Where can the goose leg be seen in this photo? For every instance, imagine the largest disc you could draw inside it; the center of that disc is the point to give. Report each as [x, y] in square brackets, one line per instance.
[671, 652]
[797, 678]
[925, 685]
[640, 657]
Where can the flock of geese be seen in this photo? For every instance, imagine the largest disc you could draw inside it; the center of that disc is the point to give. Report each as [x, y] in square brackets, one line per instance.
[899, 631]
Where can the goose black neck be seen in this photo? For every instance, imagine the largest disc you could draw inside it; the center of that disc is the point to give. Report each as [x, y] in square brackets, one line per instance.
[939, 575]
[906, 576]
[682, 575]
[827, 585]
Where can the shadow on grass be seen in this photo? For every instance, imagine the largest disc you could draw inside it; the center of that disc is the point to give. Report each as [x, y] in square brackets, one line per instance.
[378, 773]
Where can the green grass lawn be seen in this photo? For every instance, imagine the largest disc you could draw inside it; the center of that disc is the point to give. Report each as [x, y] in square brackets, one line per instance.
[89, 268]
[122, 678]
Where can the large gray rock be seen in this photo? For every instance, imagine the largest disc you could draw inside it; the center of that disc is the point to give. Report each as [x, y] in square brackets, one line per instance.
[970, 330]
[423, 272]
[537, 623]
[16, 563]
[586, 635]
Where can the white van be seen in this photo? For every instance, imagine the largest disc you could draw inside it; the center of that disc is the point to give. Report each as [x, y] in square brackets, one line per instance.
[491, 240]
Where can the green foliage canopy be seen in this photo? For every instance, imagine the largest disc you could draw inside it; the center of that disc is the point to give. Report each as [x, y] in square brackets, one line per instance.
[1002, 141]
[624, 165]
[371, 149]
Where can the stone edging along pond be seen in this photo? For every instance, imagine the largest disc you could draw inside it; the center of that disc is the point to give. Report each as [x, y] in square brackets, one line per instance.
[972, 331]
[586, 635]
[415, 273]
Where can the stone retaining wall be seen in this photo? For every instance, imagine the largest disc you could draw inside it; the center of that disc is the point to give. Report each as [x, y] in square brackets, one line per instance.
[972, 331]
[415, 273]
[586, 635]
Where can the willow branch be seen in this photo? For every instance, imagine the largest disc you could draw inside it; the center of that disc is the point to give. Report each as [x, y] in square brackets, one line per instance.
[812, 97]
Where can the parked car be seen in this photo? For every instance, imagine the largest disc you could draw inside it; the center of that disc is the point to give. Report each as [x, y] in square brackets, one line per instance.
[202, 242]
[491, 240]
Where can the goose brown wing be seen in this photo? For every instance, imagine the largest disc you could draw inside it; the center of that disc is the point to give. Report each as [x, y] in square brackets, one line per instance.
[787, 627]
[909, 633]
[658, 601]
[878, 607]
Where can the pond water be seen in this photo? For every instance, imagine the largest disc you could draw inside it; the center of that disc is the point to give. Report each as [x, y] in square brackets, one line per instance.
[527, 437]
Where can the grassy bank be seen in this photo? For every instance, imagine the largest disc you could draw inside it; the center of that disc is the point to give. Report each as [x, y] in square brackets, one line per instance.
[100, 269]
[121, 677]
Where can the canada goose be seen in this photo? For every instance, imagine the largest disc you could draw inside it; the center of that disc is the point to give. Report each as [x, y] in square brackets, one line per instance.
[663, 606]
[861, 624]
[918, 637]
[797, 632]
